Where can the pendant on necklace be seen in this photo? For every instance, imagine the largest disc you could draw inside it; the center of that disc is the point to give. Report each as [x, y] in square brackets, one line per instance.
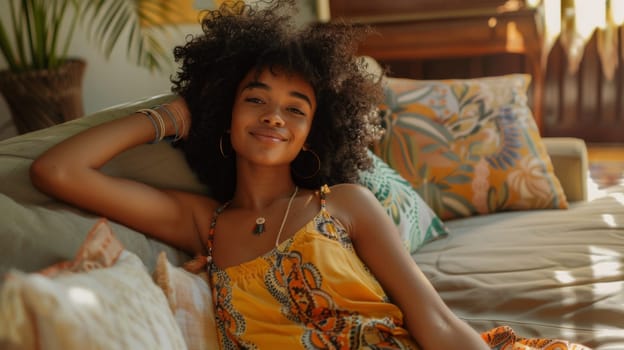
[259, 227]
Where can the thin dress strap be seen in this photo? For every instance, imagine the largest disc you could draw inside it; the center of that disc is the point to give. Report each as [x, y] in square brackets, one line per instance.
[213, 224]
[200, 261]
[323, 195]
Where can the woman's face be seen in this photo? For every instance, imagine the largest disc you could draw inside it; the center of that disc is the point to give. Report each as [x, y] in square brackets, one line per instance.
[271, 116]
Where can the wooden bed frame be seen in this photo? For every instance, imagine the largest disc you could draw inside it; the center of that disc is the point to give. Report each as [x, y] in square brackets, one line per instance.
[436, 29]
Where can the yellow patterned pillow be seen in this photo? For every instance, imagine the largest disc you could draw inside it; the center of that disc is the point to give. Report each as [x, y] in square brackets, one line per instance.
[468, 146]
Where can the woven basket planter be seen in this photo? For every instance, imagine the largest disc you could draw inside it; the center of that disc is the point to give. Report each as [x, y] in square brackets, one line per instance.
[42, 98]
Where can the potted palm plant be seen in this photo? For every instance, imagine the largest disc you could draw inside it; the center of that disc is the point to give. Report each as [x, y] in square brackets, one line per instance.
[42, 84]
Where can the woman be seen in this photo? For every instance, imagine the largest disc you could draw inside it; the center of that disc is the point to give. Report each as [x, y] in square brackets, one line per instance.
[266, 115]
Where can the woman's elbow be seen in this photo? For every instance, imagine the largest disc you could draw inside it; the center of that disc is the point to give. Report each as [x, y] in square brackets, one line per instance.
[46, 175]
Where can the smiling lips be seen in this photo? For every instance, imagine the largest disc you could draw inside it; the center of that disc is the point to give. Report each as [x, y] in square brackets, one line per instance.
[268, 134]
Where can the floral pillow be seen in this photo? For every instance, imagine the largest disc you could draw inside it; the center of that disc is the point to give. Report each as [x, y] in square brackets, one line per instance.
[103, 299]
[468, 146]
[416, 222]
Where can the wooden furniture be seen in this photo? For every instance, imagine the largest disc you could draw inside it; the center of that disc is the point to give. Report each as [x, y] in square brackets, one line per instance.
[408, 30]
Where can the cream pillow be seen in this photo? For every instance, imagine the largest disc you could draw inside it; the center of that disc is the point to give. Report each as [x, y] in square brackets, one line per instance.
[190, 299]
[103, 299]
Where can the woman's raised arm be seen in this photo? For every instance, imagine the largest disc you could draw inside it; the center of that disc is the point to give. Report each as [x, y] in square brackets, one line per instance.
[70, 172]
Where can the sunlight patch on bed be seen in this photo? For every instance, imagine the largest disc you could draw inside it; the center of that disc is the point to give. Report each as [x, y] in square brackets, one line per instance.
[568, 297]
[567, 330]
[608, 288]
[606, 276]
[605, 262]
[564, 277]
[605, 265]
[609, 220]
[618, 197]
[82, 296]
[593, 190]
[606, 269]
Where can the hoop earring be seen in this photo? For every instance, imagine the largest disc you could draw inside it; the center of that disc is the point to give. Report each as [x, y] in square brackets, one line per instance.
[316, 159]
[221, 148]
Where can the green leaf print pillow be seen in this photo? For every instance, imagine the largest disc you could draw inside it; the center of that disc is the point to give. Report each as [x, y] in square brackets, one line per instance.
[416, 222]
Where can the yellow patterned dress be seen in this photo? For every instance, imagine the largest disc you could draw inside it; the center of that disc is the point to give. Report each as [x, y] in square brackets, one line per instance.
[313, 292]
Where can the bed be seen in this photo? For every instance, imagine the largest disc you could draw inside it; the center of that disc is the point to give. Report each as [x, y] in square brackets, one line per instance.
[552, 272]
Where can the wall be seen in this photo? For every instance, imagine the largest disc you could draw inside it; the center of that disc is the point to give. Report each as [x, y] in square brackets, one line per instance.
[115, 81]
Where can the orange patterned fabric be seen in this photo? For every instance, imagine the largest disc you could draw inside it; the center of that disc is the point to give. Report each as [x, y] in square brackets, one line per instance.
[312, 292]
[504, 338]
[469, 146]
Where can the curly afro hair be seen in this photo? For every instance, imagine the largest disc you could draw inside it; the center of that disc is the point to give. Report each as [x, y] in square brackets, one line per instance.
[237, 38]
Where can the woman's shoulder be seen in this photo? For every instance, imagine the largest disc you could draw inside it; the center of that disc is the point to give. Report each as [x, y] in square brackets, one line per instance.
[348, 202]
[349, 191]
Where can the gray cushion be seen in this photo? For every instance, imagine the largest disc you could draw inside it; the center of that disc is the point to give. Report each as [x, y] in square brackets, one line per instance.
[36, 230]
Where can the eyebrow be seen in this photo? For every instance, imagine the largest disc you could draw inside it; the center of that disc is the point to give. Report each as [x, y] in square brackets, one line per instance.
[263, 86]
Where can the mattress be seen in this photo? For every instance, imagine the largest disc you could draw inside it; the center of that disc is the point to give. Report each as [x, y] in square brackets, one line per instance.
[547, 273]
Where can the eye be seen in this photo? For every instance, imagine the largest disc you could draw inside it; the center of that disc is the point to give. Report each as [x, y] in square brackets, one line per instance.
[296, 110]
[254, 100]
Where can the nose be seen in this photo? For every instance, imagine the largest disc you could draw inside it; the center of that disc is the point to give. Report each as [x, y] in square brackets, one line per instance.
[273, 118]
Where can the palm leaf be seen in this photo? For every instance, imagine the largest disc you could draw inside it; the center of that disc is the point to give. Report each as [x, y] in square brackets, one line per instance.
[5, 47]
[39, 23]
[41, 31]
[17, 13]
[27, 13]
[140, 20]
[71, 30]
[36, 32]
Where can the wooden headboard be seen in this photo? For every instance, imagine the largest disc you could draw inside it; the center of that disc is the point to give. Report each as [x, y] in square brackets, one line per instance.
[474, 38]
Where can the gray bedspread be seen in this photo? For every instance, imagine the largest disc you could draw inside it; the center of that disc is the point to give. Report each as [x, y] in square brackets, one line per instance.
[550, 273]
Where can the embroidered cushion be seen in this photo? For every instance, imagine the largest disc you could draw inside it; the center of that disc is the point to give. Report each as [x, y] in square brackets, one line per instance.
[468, 146]
[416, 222]
[103, 299]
